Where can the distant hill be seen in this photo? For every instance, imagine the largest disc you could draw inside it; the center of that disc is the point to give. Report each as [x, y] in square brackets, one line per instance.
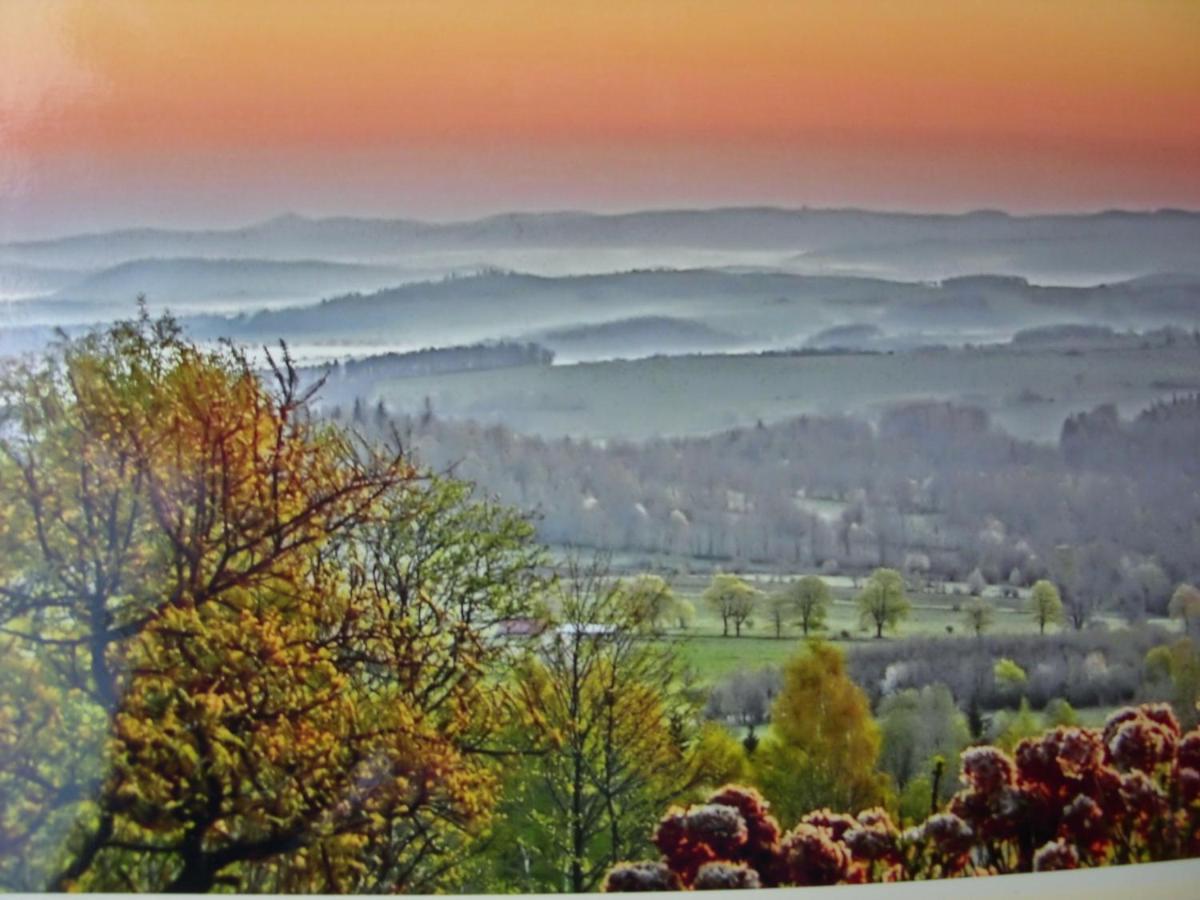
[637, 336]
[194, 279]
[760, 309]
[1096, 246]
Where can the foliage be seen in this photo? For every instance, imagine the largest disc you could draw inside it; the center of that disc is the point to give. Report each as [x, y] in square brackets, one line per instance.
[733, 599]
[882, 602]
[978, 615]
[239, 649]
[1178, 666]
[652, 605]
[1009, 674]
[1185, 606]
[1009, 728]
[811, 598]
[779, 608]
[607, 718]
[1068, 798]
[824, 744]
[917, 726]
[1045, 605]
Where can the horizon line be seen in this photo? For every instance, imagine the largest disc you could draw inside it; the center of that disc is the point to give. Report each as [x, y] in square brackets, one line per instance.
[603, 214]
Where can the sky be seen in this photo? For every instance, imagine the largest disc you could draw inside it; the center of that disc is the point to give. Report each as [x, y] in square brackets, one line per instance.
[222, 112]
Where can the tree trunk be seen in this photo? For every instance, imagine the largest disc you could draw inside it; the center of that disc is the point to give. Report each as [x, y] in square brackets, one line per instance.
[878, 629]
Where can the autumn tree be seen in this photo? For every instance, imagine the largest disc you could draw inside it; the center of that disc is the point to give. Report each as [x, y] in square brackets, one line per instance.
[810, 598]
[1045, 606]
[241, 649]
[824, 744]
[883, 603]
[733, 599]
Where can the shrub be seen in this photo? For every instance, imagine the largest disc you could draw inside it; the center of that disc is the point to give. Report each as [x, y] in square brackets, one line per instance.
[1129, 792]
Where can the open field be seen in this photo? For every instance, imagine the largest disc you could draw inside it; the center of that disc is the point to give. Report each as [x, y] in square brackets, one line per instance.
[712, 656]
[698, 394]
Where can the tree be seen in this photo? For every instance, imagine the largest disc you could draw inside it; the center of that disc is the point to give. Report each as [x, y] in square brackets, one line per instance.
[1045, 606]
[1185, 606]
[733, 599]
[811, 598]
[976, 583]
[652, 605]
[824, 744]
[916, 727]
[608, 718]
[218, 683]
[1009, 676]
[978, 615]
[779, 608]
[882, 602]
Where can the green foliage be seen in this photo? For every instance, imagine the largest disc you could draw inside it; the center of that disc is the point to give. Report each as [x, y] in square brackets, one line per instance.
[824, 744]
[810, 598]
[913, 802]
[733, 599]
[1060, 714]
[1045, 605]
[978, 615]
[916, 727]
[1185, 606]
[1176, 670]
[1010, 728]
[883, 603]
[652, 605]
[607, 720]
[1008, 674]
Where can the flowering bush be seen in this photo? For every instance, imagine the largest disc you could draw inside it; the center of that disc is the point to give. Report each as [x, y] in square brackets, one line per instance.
[1129, 792]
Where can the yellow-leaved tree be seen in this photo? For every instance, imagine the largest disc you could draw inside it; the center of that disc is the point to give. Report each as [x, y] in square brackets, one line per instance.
[824, 745]
[239, 649]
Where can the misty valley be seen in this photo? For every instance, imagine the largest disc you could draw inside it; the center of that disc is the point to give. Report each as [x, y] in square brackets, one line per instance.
[584, 515]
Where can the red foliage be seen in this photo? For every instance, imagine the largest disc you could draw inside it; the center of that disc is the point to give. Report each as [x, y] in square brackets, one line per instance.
[1074, 796]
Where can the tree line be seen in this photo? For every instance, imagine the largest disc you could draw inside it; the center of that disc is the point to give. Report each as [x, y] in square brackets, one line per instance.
[1109, 513]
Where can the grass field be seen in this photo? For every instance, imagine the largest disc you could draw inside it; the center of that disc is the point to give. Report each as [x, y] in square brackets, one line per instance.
[712, 656]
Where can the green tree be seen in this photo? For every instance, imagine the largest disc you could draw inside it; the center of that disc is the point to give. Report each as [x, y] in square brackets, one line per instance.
[733, 599]
[221, 668]
[883, 603]
[917, 726]
[1174, 670]
[1045, 605]
[1010, 728]
[1185, 606]
[824, 745]
[608, 719]
[779, 609]
[1009, 676]
[652, 604]
[810, 598]
[978, 615]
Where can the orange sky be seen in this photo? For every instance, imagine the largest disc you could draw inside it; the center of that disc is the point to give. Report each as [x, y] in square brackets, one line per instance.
[182, 112]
